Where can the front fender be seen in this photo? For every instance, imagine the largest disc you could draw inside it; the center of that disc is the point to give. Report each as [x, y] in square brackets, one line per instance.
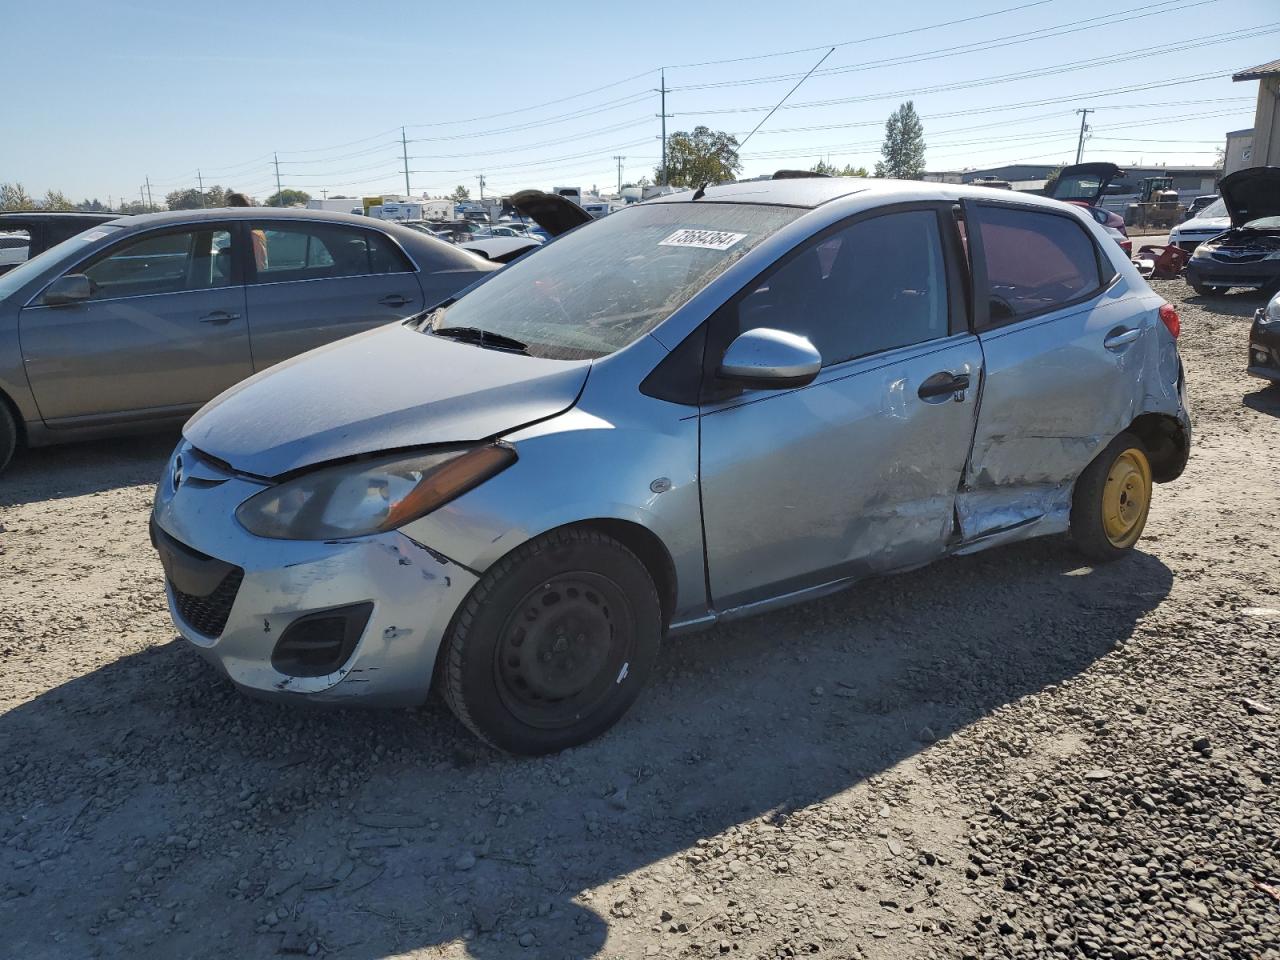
[580, 467]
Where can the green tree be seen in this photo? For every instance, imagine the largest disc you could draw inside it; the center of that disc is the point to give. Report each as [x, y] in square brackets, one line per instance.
[903, 147]
[459, 194]
[288, 198]
[190, 198]
[703, 156]
[133, 207]
[831, 170]
[14, 197]
[56, 200]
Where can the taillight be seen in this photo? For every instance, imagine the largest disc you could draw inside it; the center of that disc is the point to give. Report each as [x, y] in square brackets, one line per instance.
[1169, 317]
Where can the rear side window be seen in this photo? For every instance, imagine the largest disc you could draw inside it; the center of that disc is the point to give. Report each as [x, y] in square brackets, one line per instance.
[871, 286]
[321, 251]
[1035, 261]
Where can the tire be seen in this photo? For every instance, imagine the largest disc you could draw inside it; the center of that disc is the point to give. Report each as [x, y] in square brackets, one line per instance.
[8, 435]
[1112, 500]
[554, 643]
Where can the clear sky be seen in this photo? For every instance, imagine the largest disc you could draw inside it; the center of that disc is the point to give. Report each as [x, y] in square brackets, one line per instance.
[100, 95]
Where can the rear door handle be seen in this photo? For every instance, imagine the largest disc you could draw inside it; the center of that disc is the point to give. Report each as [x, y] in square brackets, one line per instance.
[219, 316]
[393, 300]
[944, 384]
[1121, 337]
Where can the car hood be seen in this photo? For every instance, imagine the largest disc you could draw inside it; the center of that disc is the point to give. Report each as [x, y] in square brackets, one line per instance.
[386, 389]
[1198, 225]
[552, 212]
[1083, 181]
[1251, 193]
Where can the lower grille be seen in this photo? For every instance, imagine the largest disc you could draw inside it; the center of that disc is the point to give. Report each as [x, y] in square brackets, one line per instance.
[207, 615]
[1189, 245]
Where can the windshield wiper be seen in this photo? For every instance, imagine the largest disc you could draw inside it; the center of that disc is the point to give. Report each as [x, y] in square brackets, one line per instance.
[484, 338]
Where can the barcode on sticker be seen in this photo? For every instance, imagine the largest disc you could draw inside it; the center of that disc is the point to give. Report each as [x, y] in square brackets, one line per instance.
[705, 239]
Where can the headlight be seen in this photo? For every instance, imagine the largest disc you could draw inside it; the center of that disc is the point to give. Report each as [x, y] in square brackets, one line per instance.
[1204, 250]
[369, 496]
[1272, 313]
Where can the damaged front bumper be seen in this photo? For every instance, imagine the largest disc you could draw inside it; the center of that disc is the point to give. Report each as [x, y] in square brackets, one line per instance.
[357, 619]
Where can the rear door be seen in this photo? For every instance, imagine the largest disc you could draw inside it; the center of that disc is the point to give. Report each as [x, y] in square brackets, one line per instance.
[163, 331]
[858, 471]
[1060, 340]
[313, 282]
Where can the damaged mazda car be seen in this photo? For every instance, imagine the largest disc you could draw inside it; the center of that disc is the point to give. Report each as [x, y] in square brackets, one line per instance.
[696, 409]
[1247, 255]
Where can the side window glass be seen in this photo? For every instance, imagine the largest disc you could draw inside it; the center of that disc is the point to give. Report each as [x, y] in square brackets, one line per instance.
[1034, 261]
[168, 263]
[308, 251]
[385, 256]
[875, 285]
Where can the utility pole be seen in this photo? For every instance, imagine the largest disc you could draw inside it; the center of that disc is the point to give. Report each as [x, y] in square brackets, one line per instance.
[1084, 115]
[200, 180]
[404, 147]
[481, 179]
[324, 194]
[664, 115]
[142, 195]
[619, 159]
[279, 199]
[150, 202]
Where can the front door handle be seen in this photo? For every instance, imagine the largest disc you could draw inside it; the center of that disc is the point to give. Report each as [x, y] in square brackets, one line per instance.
[393, 300]
[942, 385]
[1121, 337]
[219, 316]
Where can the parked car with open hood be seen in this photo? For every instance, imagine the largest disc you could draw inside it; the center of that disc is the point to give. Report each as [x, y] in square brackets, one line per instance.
[134, 324]
[1248, 254]
[695, 409]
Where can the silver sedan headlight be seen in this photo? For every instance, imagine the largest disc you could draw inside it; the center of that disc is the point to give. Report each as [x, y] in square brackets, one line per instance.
[1272, 313]
[369, 496]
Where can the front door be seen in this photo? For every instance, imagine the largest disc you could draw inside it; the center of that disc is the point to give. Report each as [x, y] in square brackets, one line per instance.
[857, 472]
[163, 331]
[314, 282]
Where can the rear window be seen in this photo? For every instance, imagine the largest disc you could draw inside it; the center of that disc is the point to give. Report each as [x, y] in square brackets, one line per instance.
[1035, 261]
[606, 284]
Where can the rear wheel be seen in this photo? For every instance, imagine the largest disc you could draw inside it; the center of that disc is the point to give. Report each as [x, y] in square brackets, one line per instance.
[1112, 499]
[8, 435]
[554, 643]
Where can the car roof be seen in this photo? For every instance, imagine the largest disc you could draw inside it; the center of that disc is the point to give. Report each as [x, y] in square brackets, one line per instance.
[815, 191]
[250, 213]
[33, 216]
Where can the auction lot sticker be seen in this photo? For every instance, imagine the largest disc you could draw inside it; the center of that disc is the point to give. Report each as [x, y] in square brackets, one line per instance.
[704, 239]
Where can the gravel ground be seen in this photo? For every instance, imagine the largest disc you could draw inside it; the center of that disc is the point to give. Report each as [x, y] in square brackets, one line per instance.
[1008, 755]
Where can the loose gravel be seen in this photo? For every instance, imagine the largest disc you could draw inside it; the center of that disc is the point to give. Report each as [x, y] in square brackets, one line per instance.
[1008, 755]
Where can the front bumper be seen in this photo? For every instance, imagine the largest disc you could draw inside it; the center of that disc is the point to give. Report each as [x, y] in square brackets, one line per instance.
[235, 596]
[1264, 349]
[1216, 273]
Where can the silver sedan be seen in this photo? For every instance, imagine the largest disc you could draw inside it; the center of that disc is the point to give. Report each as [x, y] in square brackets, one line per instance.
[696, 409]
[135, 323]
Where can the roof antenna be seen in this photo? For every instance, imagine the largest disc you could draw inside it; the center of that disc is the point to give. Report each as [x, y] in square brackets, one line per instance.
[703, 189]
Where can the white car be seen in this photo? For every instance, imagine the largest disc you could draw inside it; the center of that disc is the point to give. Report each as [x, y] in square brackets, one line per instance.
[1208, 223]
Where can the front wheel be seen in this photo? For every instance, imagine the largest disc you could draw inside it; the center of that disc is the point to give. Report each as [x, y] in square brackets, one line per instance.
[554, 643]
[8, 435]
[1112, 499]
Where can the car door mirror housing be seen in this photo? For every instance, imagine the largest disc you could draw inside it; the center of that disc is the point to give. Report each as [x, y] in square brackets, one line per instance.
[767, 359]
[69, 288]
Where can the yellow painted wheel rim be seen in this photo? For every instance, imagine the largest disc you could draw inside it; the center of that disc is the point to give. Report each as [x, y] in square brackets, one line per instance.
[1126, 498]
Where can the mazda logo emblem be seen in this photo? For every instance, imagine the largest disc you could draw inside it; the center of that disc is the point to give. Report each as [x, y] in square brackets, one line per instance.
[177, 471]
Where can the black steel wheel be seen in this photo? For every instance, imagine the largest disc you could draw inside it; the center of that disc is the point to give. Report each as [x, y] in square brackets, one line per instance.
[553, 644]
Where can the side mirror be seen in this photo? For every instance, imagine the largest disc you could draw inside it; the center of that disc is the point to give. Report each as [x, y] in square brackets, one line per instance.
[766, 359]
[68, 288]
